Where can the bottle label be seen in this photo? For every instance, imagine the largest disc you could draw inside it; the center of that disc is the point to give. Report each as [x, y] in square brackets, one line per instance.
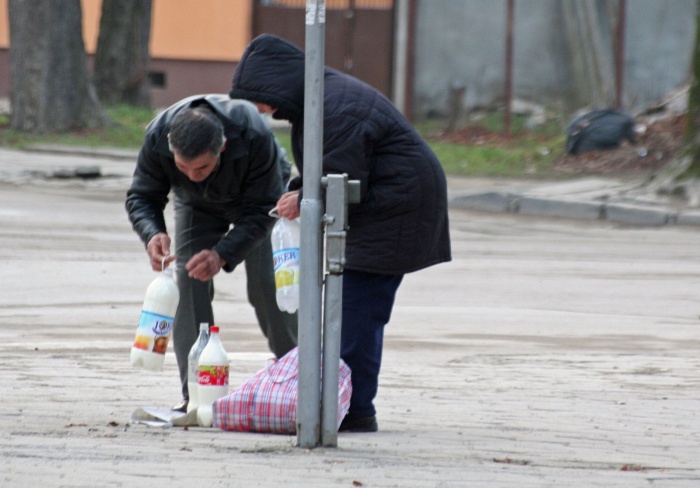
[212, 375]
[286, 263]
[153, 332]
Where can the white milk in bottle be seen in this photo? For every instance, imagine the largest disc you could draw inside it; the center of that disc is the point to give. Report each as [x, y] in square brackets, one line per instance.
[212, 378]
[193, 363]
[156, 322]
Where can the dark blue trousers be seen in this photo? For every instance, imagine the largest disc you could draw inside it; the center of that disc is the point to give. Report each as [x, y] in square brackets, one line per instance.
[368, 299]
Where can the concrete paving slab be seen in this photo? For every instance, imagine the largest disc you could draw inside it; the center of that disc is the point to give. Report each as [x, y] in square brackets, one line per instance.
[548, 353]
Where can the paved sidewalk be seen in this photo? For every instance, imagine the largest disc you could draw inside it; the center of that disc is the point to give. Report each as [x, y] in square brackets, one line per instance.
[614, 199]
[550, 352]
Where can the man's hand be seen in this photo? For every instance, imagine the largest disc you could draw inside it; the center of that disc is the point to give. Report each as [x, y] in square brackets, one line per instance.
[288, 205]
[158, 248]
[204, 265]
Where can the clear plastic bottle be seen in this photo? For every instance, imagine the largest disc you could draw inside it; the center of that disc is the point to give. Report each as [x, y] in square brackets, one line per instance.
[193, 365]
[285, 256]
[212, 378]
[156, 322]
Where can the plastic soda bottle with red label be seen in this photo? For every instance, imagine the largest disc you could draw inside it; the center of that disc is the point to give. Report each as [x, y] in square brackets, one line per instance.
[193, 366]
[156, 322]
[285, 239]
[212, 377]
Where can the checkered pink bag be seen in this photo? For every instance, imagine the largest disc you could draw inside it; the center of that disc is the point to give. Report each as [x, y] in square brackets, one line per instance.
[267, 402]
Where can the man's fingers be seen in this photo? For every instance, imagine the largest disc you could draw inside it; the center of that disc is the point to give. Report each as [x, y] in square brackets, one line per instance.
[203, 266]
[160, 262]
[158, 250]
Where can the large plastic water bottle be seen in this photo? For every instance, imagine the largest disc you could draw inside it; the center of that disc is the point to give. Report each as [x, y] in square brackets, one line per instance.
[285, 256]
[212, 378]
[193, 365]
[156, 322]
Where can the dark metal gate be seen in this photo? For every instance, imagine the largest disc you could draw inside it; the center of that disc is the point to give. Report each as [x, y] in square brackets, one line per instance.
[359, 34]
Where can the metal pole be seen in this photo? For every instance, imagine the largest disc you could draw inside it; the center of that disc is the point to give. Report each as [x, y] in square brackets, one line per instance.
[308, 403]
[331, 359]
[509, 65]
[620, 52]
[349, 27]
[410, 61]
[400, 54]
[335, 219]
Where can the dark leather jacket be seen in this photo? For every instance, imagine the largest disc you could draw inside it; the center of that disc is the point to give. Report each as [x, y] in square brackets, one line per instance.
[249, 180]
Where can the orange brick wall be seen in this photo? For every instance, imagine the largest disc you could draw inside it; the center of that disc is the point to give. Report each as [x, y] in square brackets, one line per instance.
[215, 30]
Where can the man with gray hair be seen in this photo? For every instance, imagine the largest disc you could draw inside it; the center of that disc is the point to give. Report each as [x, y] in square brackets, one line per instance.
[226, 171]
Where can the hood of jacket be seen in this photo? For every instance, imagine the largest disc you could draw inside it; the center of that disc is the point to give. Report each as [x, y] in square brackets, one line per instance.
[271, 71]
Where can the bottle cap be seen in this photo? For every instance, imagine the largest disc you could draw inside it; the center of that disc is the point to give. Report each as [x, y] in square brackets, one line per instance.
[214, 329]
[204, 326]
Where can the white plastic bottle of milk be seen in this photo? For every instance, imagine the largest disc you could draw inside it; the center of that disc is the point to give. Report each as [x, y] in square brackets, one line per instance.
[156, 322]
[212, 377]
[285, 256]
[193, 363]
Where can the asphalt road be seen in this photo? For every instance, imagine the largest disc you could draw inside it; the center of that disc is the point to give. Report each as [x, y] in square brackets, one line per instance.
[548, 353]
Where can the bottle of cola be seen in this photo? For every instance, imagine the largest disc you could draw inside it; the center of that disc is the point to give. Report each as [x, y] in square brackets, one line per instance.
[212, 377]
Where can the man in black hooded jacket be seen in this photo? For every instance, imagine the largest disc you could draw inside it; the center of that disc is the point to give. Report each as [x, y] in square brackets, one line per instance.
[226, 171]
[401, 223]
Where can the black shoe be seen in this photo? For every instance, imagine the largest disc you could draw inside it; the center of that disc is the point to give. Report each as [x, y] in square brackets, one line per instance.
[182, 406]
[356, 423]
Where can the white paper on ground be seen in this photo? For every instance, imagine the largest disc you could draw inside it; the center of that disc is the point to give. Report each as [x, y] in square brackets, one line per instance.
[163, 417]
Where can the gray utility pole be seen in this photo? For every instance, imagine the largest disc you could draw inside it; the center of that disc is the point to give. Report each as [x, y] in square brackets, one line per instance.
[339, 192]
[311, 279]
[317, 408]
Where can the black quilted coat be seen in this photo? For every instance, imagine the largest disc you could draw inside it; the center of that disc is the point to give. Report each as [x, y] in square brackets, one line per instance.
[401, 223]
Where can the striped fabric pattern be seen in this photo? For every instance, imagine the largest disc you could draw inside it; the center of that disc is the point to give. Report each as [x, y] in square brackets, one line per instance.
[267, 402]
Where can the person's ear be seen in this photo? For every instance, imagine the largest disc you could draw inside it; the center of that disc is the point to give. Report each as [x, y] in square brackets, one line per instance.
[223, 147]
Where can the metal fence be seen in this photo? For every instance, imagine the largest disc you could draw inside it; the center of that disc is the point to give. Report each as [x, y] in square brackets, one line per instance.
[566, 55]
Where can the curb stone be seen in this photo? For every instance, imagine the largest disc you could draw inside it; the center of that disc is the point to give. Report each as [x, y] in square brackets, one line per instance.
[560, 208]
[689, 218]
[630, 214]
[99, 152]
[621, 213]
[640, 214]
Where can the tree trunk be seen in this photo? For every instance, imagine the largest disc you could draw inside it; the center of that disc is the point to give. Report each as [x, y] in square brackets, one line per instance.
[692, 130]
[50, 89]
[588, 27]
[681, 177]
[122, 58]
